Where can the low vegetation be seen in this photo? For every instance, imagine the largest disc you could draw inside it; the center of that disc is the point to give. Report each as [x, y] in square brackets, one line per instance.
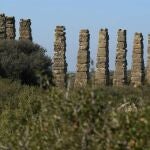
[89, 119]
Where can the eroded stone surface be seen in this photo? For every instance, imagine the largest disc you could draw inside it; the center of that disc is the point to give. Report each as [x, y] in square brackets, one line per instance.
[25, 30]
[137, 70]
[148, 61]
[120, 73]
[59, 60]
[10, 28]
[102, 65]
[2, 27]
[83, 60]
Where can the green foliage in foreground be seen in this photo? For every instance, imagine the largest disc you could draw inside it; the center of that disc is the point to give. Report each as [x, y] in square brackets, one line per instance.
[89, 119]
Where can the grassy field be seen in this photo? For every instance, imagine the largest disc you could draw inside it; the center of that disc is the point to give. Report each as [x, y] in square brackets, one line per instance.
[105, 118]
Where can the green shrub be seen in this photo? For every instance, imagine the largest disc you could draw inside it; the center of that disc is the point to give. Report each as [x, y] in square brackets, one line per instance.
[25, 61]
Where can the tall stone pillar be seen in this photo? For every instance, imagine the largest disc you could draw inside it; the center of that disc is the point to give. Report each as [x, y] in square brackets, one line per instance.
[25, 30]
[102, 65]
[137, 70]
[59, 61]
[83, 60]
[120, 73]
[2, 27]
[148, 62]
[10, 28]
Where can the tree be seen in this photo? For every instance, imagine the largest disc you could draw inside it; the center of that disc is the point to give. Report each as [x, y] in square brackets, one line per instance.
[25, 61]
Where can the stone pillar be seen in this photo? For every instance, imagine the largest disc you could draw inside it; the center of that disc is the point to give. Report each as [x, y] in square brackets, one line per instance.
[10, 28]
[2, 27]
[120, 73]
[148, 62]
[102, 65]
[59, 60]
[25, 30]
[137, 70]
[83, 60]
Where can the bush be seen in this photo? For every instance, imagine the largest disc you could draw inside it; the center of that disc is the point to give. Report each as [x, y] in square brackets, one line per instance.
[25, 61]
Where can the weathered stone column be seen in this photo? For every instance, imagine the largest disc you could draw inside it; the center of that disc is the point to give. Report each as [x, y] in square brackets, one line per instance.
[2, 27]
[59, 60]
[120, 73]
[10, 28]
[83, 60]
[25, 30]
[102, 65]
[137, 70]
[148, 62]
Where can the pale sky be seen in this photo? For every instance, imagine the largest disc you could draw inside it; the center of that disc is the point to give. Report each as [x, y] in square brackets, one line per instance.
[132, 15]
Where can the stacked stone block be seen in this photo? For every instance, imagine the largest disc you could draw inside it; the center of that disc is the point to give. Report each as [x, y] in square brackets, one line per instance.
[2, 27]
[83, 60]
[25, 30]
[102, 65]
[120, 73]
[137, 70]
[10, 28]
[148, 61]
[59, 60]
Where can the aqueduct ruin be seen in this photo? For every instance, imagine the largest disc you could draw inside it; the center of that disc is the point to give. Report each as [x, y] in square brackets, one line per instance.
[139, 73]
